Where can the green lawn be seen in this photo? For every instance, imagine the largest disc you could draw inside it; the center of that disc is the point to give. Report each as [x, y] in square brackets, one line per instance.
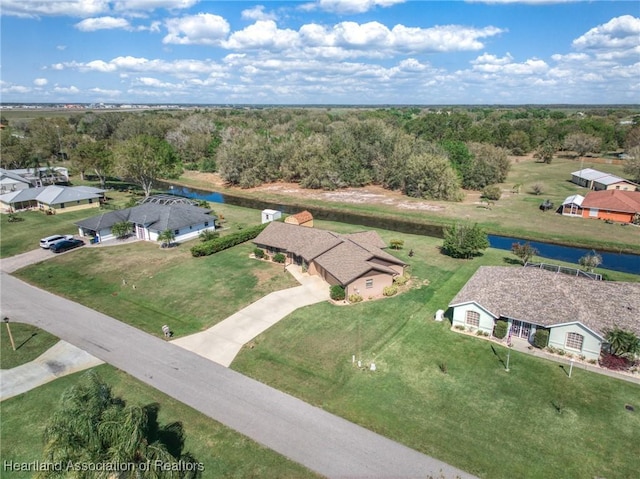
[146, 286]
[30, 343]
[223, 452]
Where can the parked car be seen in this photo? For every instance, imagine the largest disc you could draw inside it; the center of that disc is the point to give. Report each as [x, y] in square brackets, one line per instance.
[66, 245]
[47, 242]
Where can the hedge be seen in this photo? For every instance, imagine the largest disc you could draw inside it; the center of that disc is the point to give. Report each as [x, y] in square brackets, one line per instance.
[219, 244]
[336, 292]
[541, 338]
[500, 329]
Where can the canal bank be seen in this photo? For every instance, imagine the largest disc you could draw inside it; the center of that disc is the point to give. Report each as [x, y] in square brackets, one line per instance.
[613, 260]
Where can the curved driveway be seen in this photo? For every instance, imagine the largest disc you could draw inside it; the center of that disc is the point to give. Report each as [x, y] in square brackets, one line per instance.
[308, 435]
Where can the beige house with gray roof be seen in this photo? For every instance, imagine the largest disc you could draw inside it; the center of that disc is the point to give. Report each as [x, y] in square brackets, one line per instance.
[354, 261]
[577, 311]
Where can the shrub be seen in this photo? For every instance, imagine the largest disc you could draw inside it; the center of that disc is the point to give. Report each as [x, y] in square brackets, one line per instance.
[400, 280]
[279, 258]
[336, 292]
[537, 188]
[390, 290]
[396, 243]
[442, 366]
[258, 253]
[355, 298]
[500, 329]
[611, 361]
[122, 229]
[219, 244]
[464, 240]
[492, 192]
[208, 235]
[459, 327]
[541, 338]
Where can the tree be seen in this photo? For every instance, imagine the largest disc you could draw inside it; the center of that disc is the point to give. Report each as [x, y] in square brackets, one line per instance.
[524, 251]
[489, 165]
[581, 143]
[632, 164]
[144, 159]
[90, 425]
[622, 343]
[396, 243]
[166, 237]
[94, 155]
[545, 152]
[430, 175]
[464, 240]
[590, 261]
[122, 229]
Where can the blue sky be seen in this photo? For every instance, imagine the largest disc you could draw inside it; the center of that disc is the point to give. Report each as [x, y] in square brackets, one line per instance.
[321, 51]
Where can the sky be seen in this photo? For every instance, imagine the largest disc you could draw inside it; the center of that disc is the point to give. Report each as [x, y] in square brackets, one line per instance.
[366, 52]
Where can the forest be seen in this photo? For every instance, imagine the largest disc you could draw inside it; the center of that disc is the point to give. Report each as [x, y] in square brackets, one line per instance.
[422, 152]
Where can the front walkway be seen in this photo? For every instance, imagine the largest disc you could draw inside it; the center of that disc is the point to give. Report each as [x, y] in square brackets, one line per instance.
[222, 342]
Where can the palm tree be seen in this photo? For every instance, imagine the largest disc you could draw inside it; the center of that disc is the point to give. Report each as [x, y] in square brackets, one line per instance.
[91, 426]
[622, 343]
[167, 237]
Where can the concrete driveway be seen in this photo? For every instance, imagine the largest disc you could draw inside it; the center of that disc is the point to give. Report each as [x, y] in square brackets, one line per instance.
[222, 342]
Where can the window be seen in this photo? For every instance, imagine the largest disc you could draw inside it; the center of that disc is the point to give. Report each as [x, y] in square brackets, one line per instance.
[574, 341]
[177, 232]
[61, 205]
[369, 283]
[206, 223]
[593, 212]
[472, 318]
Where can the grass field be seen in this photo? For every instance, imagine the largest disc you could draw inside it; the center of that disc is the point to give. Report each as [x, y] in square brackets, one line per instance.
[513, 215]
[223, 452]
[30, 343]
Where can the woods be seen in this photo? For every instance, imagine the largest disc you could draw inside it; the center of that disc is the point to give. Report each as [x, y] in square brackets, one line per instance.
[422, 152]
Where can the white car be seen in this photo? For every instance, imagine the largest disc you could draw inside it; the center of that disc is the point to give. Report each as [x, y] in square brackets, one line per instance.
[50, 240]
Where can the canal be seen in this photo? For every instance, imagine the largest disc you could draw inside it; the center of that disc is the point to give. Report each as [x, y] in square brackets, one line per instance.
[624, 262]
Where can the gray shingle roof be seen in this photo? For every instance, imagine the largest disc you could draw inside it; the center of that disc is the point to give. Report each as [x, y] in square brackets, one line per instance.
[154, 216]
[346, 257]
[546, 298]
[53, 194]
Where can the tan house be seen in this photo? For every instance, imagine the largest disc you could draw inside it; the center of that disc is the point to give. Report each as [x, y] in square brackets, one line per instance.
[577, 312]
[52, 198]
[598, 181]
[354, 261]
[304, 218]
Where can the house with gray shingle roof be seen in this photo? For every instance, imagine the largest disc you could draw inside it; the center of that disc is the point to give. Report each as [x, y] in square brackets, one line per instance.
[53, 198]
[354, 261]
[149, 220]
[576, 311]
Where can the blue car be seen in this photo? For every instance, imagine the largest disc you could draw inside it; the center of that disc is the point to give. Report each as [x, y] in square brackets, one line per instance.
[66, 245]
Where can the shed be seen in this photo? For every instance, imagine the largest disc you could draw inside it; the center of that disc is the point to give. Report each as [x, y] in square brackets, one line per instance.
[270, 215]
[304, 218]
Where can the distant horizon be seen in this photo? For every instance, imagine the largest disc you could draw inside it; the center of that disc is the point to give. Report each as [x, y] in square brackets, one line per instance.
[321, 52]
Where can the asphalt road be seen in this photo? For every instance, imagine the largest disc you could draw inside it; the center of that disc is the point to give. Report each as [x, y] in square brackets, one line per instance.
[323, 442]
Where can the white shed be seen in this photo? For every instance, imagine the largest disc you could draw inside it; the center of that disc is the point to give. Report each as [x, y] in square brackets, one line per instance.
[270, 215]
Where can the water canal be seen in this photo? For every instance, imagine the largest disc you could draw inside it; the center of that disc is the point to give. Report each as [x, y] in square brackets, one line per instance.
[624, 262]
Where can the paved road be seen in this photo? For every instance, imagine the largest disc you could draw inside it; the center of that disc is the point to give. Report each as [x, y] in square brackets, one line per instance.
[308, 435]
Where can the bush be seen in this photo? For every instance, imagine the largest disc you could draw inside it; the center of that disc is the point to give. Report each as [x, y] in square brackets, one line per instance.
[492, 192]
[208, 235]
[617, 363]
[537, 188]
[219, 244]
[336, 292]
[122, 229]
[279, 258]
[541, 338]
[390, 290]
[396, 243]
[400, 280]
[355, 298]
[500, 329]
[258, 253]
[464, 240]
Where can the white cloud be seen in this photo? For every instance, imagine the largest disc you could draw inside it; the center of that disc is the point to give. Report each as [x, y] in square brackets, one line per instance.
[203, 29]
[102, 23]
[618, 33]
[7, 88]
[258, 13]
[349, 6]
[105, 92]
[264, 34]
[40, 81]
[131, 64]
[146, 5]
[66, 90]
[61, 47]
[71, 8]
[528, 2]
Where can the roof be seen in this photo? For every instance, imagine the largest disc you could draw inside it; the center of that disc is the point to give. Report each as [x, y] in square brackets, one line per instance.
[154, 216]
[611, 180]
[13, 175]
[573, 199]
[53, 194]
[302, 217]
[546, 298]
[345, 257]
[613, 200]
[589, 174]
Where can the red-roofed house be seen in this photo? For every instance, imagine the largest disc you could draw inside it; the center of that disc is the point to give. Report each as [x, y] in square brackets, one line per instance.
[304, 218]
[612, 205]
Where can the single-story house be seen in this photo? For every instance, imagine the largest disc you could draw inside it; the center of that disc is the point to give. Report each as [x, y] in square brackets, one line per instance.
[149, 220]
[270, 215]
[354, 261]
[576, 311]
[612, 205]
[10, 181]
[572, 205]
[598, 180]
[304, 218]
[54, 198]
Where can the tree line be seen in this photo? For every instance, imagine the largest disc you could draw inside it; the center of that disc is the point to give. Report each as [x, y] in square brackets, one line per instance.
[426, 153]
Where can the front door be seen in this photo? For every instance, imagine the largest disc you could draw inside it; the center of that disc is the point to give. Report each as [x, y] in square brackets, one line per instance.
[520, 329]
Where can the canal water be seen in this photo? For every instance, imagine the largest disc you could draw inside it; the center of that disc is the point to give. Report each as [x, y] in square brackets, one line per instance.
[627, 263]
